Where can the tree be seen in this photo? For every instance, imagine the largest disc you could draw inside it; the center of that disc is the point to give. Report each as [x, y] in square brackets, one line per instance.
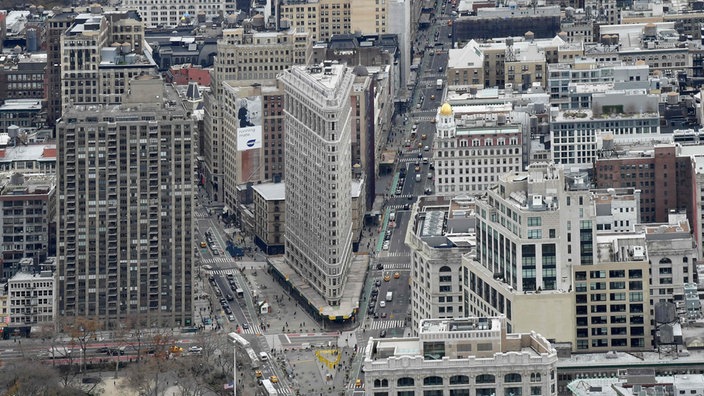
[23, 377]
[147, 376]
[82, 330]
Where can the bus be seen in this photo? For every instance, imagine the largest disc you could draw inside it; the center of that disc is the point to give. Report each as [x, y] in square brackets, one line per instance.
[269, 388]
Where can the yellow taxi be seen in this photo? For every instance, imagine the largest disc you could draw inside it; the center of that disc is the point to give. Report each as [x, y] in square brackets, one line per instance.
[423, 136]
[387, 278]
[432, 97]
[420, 145]
[258, 373]
[203, 244]
[396, 275]
[175, 349]
[274, 379]
[358, 383]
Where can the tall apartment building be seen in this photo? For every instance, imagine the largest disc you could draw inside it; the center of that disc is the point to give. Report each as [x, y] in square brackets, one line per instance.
[243, 55]
[125, 185]
[326, 18]
[469, 153]
[531, 231]
[56, 26]
[319, 175]
[461, 357]
[28, 218]
[249, 103]
[100, 53]
[441, 230]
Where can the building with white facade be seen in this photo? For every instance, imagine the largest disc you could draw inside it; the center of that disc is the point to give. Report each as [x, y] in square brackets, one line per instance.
[617, 210]
[461, 357]
[172, 13]
[470, 151]
[630, 115]
[441, 230]
[531, 230]
[319, 175]
[100, 53]
[31, 298]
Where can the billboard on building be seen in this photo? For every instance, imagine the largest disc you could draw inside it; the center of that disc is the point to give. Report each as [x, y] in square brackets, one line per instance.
[249, 123]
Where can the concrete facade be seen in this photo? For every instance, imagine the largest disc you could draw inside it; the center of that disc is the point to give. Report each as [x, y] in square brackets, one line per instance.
[28, 218]
[318, 128]
[470, 152]
[32, 298]
[436, 256]
[460, 357]
[126, 247]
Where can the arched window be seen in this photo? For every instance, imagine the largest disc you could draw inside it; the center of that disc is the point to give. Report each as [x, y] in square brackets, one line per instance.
[377, 383]
[384, 383]
[665, 260]
[434, 380]
[445, 268]
[485, 379]
[535, 377]
[512, 377]
[459, 379]
[405, 381]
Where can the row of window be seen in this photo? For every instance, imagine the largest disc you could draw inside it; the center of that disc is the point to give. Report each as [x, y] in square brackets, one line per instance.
[459, 380]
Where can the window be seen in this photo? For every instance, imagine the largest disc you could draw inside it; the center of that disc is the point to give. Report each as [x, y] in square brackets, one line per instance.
[485, 379]
[512, 377]
[434, 380]
[459, 379]
[534, 221]
[405, 381]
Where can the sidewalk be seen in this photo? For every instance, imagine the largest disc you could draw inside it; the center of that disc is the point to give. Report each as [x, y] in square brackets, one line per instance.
[117, 387]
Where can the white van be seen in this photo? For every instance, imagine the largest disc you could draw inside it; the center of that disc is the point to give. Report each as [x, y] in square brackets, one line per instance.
[263, 356]
[417, 177]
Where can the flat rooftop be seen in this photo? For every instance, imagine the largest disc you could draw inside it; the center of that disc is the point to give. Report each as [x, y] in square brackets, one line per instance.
[30, 152]
[271, 191]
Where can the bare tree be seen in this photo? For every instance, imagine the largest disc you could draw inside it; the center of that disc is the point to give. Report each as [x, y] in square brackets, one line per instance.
[82, 330]
[148, 375]
[23, 377]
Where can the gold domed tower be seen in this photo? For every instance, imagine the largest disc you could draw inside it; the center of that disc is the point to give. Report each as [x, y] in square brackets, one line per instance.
[445, 122]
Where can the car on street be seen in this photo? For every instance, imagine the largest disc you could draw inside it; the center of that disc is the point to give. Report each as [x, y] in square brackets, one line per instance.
[203, 244]
[274, 379]
[380, 266]
[382, 304]
[215, 252]
[223, 301]
[258, 373]
[396, 275]
[370, 311]
[423, 136]
[432, 97]
[358, 383]
[382, 334]
[231, 318]
[385, 246]
[417, 168]
[387, 278]
[195, 349]
[102, 350]
[207, 267]
[406, 206]
[383, 315]
[175, 349]
[428, 191]
[377, 283]
[426, 148]
[228, 311]
[245, 326]
[230, 297]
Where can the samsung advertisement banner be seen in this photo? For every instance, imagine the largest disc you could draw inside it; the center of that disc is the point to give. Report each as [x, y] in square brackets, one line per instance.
[249, 127]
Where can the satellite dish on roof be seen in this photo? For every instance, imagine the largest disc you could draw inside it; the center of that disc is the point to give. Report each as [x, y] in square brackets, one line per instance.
[665, 312]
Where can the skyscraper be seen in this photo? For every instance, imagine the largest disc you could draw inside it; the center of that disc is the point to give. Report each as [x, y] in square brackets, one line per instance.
[318, 175]
[125, 186]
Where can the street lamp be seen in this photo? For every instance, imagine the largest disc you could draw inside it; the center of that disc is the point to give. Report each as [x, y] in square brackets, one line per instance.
[234, 363]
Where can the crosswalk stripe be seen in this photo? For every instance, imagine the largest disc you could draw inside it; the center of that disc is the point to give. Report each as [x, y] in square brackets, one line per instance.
[386, 324]
[222, 271]
[253, 329]
[220, 260]
[398, 266]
